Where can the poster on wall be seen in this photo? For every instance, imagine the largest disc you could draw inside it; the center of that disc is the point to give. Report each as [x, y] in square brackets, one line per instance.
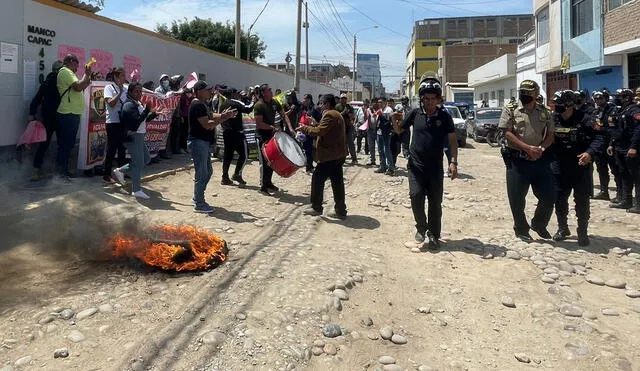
[8, 58]
[29, 82]
[130, 64]
[63, 50]
[104, 61]
[93, 130]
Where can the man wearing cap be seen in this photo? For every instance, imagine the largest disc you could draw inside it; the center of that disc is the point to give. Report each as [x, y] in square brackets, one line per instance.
[330, 153]
[604, 114]
[70, 109]
[432, 128]
[233, 134]
[202, 125]
[47, 96]
[529, 130]
[164, 85]
[576, 144]
[264, 113]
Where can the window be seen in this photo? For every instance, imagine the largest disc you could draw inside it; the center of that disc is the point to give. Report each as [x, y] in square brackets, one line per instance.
[634, 70]
[431, 43]
[542, 27]
[500, 98]
[493, 95]
[617, 3]
[581, 17]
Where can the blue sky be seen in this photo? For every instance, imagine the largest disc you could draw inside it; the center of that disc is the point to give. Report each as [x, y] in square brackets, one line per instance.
[330, 37]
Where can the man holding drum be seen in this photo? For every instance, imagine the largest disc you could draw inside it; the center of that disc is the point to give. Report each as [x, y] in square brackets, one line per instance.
[264, 112]
[330, 154]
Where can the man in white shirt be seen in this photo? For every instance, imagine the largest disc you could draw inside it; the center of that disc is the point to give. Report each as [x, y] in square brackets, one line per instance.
[115, 94]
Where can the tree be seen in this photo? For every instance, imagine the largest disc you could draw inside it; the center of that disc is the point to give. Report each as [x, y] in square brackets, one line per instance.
[216, 36]
[342, 70]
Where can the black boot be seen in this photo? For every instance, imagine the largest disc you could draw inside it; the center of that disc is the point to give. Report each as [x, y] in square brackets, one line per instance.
[603, 195]
[583, 236]
[562, 233]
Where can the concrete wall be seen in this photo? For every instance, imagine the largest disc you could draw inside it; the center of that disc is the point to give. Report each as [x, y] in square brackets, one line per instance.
[549, 55]
[158, 55]
[526, 63]
[592, 80]
[621, 25]
[497, 69]
[507, 85]
[586, 50]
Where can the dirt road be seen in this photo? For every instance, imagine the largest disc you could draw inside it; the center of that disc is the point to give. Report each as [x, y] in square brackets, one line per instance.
[313, 293]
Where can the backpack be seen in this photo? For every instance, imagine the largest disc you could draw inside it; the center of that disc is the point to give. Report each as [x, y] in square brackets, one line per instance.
[52, 96]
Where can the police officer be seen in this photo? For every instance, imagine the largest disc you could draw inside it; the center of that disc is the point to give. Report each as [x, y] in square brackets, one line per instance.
[582, 103]
[576, 144]
[625, 142]
[604, 116]
[528, 129]
[432, 127]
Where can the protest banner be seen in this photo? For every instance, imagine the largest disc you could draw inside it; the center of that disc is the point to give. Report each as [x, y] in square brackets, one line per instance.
[93, 130]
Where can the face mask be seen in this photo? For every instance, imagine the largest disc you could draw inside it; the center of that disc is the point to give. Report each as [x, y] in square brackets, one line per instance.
[165, 84]
[579, 102]
[617, 102]
[525, 99]
[560, 109]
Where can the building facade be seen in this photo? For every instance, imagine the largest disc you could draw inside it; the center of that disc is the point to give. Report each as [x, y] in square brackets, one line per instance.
[526, 63]
[494, 82]
[488, 37]
[622, 38]
[34, 34]
[368, 73]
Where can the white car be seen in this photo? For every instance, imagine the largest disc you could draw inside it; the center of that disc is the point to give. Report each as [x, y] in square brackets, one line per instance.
[459, 123]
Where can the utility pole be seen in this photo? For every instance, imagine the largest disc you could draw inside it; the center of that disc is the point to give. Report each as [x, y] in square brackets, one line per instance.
[237, 47]
[353, 91]
[306, 39]
[296, 73]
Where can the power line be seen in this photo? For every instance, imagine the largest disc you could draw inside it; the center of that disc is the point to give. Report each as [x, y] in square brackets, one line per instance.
[374, 21]
[340, 22]
[333, 39]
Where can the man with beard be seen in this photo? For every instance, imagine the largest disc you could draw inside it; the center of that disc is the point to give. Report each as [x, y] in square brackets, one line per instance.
[576, 144]
[432, 127]
[605, 114]
[330, 153]
[528, 129]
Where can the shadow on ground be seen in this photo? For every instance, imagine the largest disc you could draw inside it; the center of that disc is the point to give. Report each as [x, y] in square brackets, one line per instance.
[356, 222]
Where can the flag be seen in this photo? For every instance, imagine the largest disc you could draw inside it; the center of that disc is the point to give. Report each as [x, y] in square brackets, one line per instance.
[191, 80]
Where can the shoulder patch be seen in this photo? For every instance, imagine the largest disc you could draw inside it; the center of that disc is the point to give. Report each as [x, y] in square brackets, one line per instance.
[544, 115]
[512, 106]
[637, 116]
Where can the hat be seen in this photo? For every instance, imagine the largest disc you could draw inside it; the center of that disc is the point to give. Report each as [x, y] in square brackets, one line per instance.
[243, 93]
[529, 85]
[343, 95]
[398, 108]
[202, 85]
[56, 66]
[229, 91]
[220, 87]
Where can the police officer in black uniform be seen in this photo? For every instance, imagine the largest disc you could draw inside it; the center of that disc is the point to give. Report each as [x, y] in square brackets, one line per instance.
[576, 144]
[605, 119]
[432, 127]
[625, 143]
[528, 129]
[582, 103]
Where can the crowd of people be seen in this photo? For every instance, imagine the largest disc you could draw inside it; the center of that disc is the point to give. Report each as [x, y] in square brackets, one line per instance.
[552, 152]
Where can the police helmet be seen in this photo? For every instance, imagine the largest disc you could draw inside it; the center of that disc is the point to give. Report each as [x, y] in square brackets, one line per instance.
[565, 98]
[624, 96]
[530, 87]
[430, 85]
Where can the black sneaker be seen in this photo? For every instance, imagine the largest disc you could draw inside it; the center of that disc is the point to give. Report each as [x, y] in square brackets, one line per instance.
[337, 215]
[226, 181]
[419, 237]
[602, 196]
[389, 172]
[634, 210]
[542, 232]
[526, 237]
[562, 234]
[620, 205]
[583, 239]
[380, 170]
[272, 188]
[312, 212]
[266, 191]
[238, 178]
[434, 243]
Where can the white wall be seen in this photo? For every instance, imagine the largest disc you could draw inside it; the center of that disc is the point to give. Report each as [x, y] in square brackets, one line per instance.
[498, 68]
[507, 85]
[158, 55]
[549, 55]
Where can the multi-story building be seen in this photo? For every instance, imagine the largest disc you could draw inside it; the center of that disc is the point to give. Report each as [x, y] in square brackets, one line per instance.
[582, 46]
[526, 62]
[622, 38]
[368, 73]
[494, 83]
[486, 38]
[320, 72]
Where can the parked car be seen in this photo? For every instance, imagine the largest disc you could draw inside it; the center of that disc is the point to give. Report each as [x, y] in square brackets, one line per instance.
[463, 107]
[249, 127]
[483, 122]
[459, 123]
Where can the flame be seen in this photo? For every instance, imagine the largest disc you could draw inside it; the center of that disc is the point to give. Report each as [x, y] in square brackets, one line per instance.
[194, 249]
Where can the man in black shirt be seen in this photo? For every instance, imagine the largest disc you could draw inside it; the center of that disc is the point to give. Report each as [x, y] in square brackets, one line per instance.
[432, 127]
[234, 139]
[202, 125]
[264, 113]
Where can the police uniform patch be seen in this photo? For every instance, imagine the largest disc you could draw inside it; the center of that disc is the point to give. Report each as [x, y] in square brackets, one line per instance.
[611, 122]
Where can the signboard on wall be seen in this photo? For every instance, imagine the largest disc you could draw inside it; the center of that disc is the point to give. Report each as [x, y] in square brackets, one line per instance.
[64, 50]
[130, 64]
[104, 61]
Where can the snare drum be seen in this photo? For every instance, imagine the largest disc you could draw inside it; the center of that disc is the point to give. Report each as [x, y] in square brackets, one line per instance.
[283, 155]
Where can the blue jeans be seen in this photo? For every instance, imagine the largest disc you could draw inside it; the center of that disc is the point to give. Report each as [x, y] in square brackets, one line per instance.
[201, 154]
[67, 131]
[371, 141]
[139, 158]
[384, 151]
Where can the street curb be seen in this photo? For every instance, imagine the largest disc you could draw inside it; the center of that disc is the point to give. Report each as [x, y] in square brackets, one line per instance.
[162, 174]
